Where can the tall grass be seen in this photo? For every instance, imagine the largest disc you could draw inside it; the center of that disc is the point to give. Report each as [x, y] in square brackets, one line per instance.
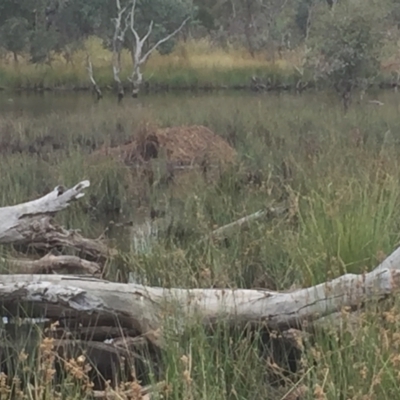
[337, 173]
[191, 64]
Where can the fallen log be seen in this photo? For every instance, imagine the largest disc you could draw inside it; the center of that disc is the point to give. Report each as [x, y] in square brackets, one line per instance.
[19, 223]
[144, 309]
[51, 264]
[239, 224]
[30, 224]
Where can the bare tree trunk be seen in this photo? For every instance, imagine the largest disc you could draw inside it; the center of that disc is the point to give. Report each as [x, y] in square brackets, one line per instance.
[95, 87]
[31, 224]
[118, 41]
[138, 45]
[145, 309]
[309, 19]
[137, 76]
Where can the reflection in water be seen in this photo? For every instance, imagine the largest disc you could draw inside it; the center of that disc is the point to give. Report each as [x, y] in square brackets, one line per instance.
[36, 104]
[43, 103]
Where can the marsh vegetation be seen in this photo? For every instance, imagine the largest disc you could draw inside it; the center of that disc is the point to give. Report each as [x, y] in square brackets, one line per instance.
[336, 172]
[190, 156]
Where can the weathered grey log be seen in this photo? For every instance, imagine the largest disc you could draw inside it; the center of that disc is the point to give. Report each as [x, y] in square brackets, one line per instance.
[245, 221]
[30, 224]
[17, 223]
[51, 263]
[146, 309]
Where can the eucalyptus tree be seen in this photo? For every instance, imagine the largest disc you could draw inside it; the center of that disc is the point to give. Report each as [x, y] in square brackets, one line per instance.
[347, 42]
[142, 27]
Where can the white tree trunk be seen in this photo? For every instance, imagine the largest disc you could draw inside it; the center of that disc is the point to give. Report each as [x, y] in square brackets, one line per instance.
[145, 308]
[18, 223]
[31, 224]
[95, 87]
[138, 58]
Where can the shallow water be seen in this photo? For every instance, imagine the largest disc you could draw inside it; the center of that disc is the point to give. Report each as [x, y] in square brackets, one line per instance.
[37, 104]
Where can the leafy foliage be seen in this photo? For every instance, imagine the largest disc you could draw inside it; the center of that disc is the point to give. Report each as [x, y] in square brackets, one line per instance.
[46, 26]
[347, 42]
[14, 34]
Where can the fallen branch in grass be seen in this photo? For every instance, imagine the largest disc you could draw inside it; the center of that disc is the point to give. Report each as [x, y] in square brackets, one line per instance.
[30, 224]
[245, 221]
[95, 333]
[18, 224]
[51, 264]
[145, 308]
[93, 350]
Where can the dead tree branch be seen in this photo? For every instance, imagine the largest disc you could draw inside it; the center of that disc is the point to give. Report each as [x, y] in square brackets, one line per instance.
[95, 87]
[137, 49]
[118, 41]
[51, 264]
[145, 308]
[30, 224]
[14, 220]
[245, 221]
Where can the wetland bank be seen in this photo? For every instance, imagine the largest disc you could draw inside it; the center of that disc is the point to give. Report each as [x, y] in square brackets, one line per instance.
[336, 173]
[236, 234]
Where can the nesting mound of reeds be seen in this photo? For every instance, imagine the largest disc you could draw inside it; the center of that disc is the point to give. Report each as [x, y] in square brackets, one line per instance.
[179, 146]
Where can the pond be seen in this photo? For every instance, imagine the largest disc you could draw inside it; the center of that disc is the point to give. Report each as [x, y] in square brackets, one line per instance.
[59, 102]
[37, 104]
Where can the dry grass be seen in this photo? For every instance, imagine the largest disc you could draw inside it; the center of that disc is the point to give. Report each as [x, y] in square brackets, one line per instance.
[192, 63]
[198, 54]
[195, 63]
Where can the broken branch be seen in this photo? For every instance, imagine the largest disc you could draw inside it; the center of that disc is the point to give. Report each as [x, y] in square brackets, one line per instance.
[30, 224]
[137, 48]
[51, 263]
[95, 87]
[16, 220]
[165, 39]
[144, 308]
[240, 223]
